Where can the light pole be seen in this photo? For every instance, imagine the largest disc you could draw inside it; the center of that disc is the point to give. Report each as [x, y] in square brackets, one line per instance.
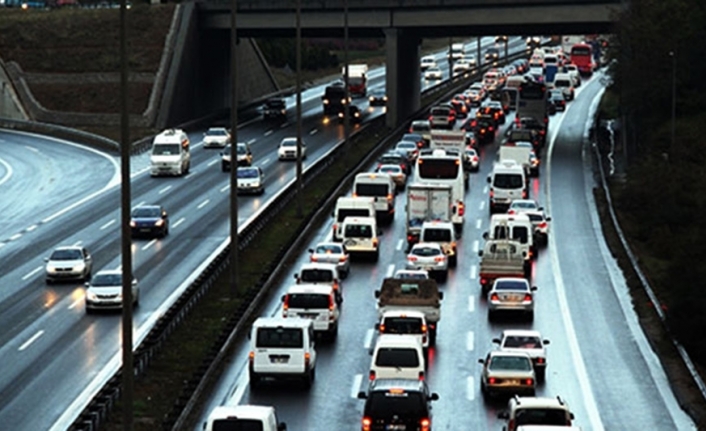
[347, 100]
[299, 108]
[234, 148]
[674, 97]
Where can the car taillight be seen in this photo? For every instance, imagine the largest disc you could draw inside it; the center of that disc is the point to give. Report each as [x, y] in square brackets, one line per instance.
[343, 259]
[421, 375]
[511, 212]
[528, 297]
[371, 376]
[461, 209]
[490, 128]
[524, 194]
[491, 193]
[424, 424]
[381, 327]
[366, 423]
[313, 258]
[375, 242]
[331, 301]
[439, 258]
[389, 197]
[474, 158]
[251, 356]
[307, 358]
[285, 306]
[424, 329]
[492, 380]
[335, 228]
[528, 382]
[412, 258]
[540, 360]
[494, 297]
[542, 225]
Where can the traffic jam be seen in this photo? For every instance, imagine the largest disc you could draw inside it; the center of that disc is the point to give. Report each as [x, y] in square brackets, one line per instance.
[431, 171]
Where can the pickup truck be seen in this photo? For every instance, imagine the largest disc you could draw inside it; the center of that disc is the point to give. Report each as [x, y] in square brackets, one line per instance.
[501, 258]
[421, 295]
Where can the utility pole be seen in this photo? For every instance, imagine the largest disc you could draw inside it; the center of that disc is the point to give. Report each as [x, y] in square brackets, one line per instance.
[300, 186]
[346, 105]
[450, 58]
[234, 148]
[673, 54]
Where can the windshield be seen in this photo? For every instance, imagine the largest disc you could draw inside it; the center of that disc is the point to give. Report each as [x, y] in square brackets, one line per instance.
[289, 143]
[248, 173]
[242, 149]
[107, 280]
[235, 424]
[562, 83]
[510, 363]
[66, 254]
[166, 149]
[216, 132]
[146, 212]
[366, 189]
[316, 275]
[394, 170]
[279, 337]
[508, 181]
[352, 212]
[401, 325]
[397, 357]
[438, 168]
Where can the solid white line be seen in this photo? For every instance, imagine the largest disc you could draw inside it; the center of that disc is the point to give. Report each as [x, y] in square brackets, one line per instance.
[110, 223]
[31, 273]
[31, 228]
[75, 303]
[252, 141]
[475, 246]
[357, 381]
[474, 272]
[212, 162]
[15, 236]
[390, 270]
[31, 340]
[165, 189]
[479, 222]
[178, 222]
[243, 381]
[470, 341]
[268, 133]
[400, 243]
[8, 174]
[313, 131]
[203, 204]
[225, 188]
[470, 388]
[471, 304]
[368, 341]
[266, 161]
[149, 244]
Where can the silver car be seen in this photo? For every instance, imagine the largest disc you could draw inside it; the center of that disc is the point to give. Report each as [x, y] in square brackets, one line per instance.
[332, 252]
[68, 263]
[216, 137]
[429, 256]
[528, 341]
[105, 291]
[507, 373]
[510, 294]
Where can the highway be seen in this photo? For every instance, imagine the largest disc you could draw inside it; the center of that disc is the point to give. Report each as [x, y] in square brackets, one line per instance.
[57, 193]
[598, 359]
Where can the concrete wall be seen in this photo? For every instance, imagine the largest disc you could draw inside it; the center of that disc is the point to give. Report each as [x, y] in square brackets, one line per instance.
[10, 105]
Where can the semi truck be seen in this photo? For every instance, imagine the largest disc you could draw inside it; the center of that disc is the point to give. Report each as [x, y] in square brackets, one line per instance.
[420, 295]
[357, 79]
[426, 202]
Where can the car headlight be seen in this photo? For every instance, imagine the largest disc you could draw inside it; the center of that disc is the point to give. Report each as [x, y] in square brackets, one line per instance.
[79, 267]
[159, 223]
[51, 269]
[132, 223]
[91, 296]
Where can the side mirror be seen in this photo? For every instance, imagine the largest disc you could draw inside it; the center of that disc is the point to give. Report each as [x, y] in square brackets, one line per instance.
[548, 219]
[134, 282]
[488, 179]
[434, 396]
[496, 340]
[377, 293]
[480, 253]
[362, 395]
[284, 297]
[295, 277]
[481, 361]
[485, 235]
[540, 209]
[165, 215]
[533, 288]
[311, 250]
[571, 415]
[503, 415]
[377, 326]
[46, 259]
[441, 295]
[545, 342]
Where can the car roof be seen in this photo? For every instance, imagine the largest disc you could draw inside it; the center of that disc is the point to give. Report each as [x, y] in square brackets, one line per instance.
[357, 220]
[437, 223]
[521, 333]
[219, 129]
[318, 265]
[405, 384]
[397, 340]
[538, 402]
[146, 206]
[289, 322]
[426, 245]
[311, 288]
[404, 313]
[108, 272]
[509, 354]
[69, 247]
[241, 411]
[513, 279]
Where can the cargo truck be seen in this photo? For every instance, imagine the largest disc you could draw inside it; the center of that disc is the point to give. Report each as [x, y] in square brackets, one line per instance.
[426, 202]
[357, 79]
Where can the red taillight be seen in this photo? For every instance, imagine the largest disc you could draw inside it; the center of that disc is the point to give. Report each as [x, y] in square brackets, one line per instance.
[494, 297]
[421, 375]
[343, 259]
[528, 382]
[528, 297]
[524, 194]
[491, 194]
[511, 211]
[307, 358]
[313, 258]
[424, 424]
[492, 380]
[474, 158]
[389, 197]
[251, 356]
[412, 258]
[424, 329]
[490, 128]
[483, 280]
[285, 306]
[542, 225]
[439, 258]
[331, 301]
[366, 423]
[461, 209]
[540, 360]
[371, 376]
[382, 328]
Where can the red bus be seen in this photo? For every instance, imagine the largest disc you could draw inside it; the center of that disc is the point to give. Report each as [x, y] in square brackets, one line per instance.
[582, 57]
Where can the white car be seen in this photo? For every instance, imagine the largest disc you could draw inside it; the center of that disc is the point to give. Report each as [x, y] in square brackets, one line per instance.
[332, 252]
[540, 224]
[251, 180]
[430, 257]
[68, 263]
[217, 137]
[573, 71]
[528, 341]
[316, 302]
[510, 294]
[105, 291]
[427, 62]
[397, 357]
[471, 159]
[405, 322]
[462, 66]
[507, 373]
[321, 273]
[552, 412]
[396, 172]
[287, 149]
[432, 73]
[519, 206]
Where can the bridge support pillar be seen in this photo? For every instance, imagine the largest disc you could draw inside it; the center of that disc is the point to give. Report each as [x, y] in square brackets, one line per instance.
[402, 75]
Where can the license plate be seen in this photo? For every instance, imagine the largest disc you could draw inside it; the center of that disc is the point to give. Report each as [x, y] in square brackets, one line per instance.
[278, 360]
[308, 315]
[396, 427]
[512, 382]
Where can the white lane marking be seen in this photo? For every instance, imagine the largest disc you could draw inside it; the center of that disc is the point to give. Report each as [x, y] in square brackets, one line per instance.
[470, 388]
[268, 133]
[149, 244]
[110, 223]
[474, 272]
[475, 246]
[165, 190]
[266, 161]
[77, 243]
[579, 365]
[390, 270]
[357, 381]
[2, 244]
[400, 243]
[368, 341]
[485, 190]
[252, 141]
[479, 222]
[203, 204]
[32, 272]
[141, 203]
[34, 150]
[470, 341]
[481, 206]
[75, 303]
[8, 172]
[31, 228]
[213, 162]
[178, 222]
[15, 236]
[471, 304]
[191, 173]
[31, 340]
[313, 131]
[225, 188]
[119, 267]
[284, 125]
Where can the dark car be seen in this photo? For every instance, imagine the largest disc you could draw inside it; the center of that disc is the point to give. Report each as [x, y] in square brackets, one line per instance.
[396, 158]
[533, 124]
[483, 128]
[414, 137]
[396, 404]
[274, 108]
[460, 108]
[492, 54]
[556, 98]
[149, 220]
[354, 114]
[494, 109]
[528, 135]
[377, 97]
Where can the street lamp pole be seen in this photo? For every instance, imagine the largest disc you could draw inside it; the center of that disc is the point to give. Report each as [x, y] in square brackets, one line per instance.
[234, 148]
[674, 97]
[346, 105]
[299, 108]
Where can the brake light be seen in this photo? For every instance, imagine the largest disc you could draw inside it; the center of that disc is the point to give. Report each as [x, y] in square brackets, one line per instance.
[492, 380]
[330, 301]
[474, 158]
[540, 360]
[412, 258]
[251, 356]
[307, 358]
[424, 329]
[483, 280]
[461, 211]
[528, 297]
[439, 258]
[424, 424]
[494, 297]
[511, 211]
[490, 128]
[355, 195]
[528, 382]
[375, 242]
[366, 423]
[343, 259]
[542, 225]
[421, 375]
[313, 258]
[491, 193]
[389, 197]
[382, 327]
[371, 376]
[285, 307]
[524, 194]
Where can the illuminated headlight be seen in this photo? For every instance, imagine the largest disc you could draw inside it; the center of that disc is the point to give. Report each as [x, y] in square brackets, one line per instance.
[79, 267]
[132, 223]
[91, 296]
[159, 223]
[384, 98]
[371, 98]
[284, 111]
[51, 269]
[325, 101]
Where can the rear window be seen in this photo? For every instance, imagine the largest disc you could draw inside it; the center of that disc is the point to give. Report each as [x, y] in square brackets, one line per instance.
[421, 127]
[535, 217]
[232, 424]
[511, 285]
[363, 189]
[279, 337]
[397, 357]
[562, 83]
[502, 363]
[316, 275]
[523, 342]
[426, 251]
[440, 111]
[307, 300]
[508, 181]
[66, 254]
[358, 231]
[401, 325]
[537, 416]
[519, 233]
[352, 212]
[437, 235]
[404, 404]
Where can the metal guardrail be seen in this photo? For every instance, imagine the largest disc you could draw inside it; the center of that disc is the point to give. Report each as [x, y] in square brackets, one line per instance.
[96, 412]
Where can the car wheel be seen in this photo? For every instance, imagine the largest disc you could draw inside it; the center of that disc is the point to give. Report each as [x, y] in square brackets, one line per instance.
[530, 316]
[376, 255]
[49, 281]
[224, 167]
[491, 316]
[254, 381]
[432, 337]
[308, 379]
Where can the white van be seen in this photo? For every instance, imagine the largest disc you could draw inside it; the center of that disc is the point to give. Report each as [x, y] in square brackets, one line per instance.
[565, 83]
[442, 233]
[397, 357]
[513, 226]
[351, 207]
[507, 182]
[321, 273]
[282, 348]
[382, 188]
[170, 153]
[360, 236]
[405, 322]
[245, 417]
[317, 302]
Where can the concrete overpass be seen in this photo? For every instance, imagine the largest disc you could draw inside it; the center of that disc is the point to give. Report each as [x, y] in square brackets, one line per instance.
[403, 23]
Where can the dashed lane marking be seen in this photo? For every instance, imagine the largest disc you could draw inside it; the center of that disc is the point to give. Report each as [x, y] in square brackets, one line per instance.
[108, 224]
[390, 270]
[149, 244]
[203, 204]
[268, 133]
[178, 222]
[368, 341]
[32, 273]
[357, 381]
[470, 341]
[475, 246]
[474, 272]
[165, 190]
[31, 340]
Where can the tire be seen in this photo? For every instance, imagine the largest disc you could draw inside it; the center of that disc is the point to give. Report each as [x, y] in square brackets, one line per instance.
[376, 255]
[89, 311]
[530, 316]
[333, 334]
[491, 316]
[308, 379]
[224, 167]
[453, 261]
[49, 281]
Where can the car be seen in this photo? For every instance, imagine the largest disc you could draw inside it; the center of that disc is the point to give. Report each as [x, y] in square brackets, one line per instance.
[516, 134]
[396, 172]
[492, 54]
[536, 74]
[333, 253]
[533, 42]
[507, 373]
[460, 107]
[405, 322]
[409, 148]
[395, 158]
[417, 138]
[68, 263]
[501, 39]
[556, 98]
[528, 341]
[480, 87]
[397, 404]
[397, 357]
[532, 124]
[471, 140]
[251, 180]
[511, 295]
[243, 156]
[494, 109]
[274, 108]
[471, 161]
[553, 412]
[217, 137]
[287, 149]
[534, 164]
[483, 128]
[377, 97]
[243, 417]
[462, 66]
[475, 96]
[540, 225]
[427, 62]
[442, 117]
[354, 114]
[413, 274]
[149, 220]
[573, 70]
[105, 291]
[430, 257]
[433, 73]
[421, 127]
[318, 302]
